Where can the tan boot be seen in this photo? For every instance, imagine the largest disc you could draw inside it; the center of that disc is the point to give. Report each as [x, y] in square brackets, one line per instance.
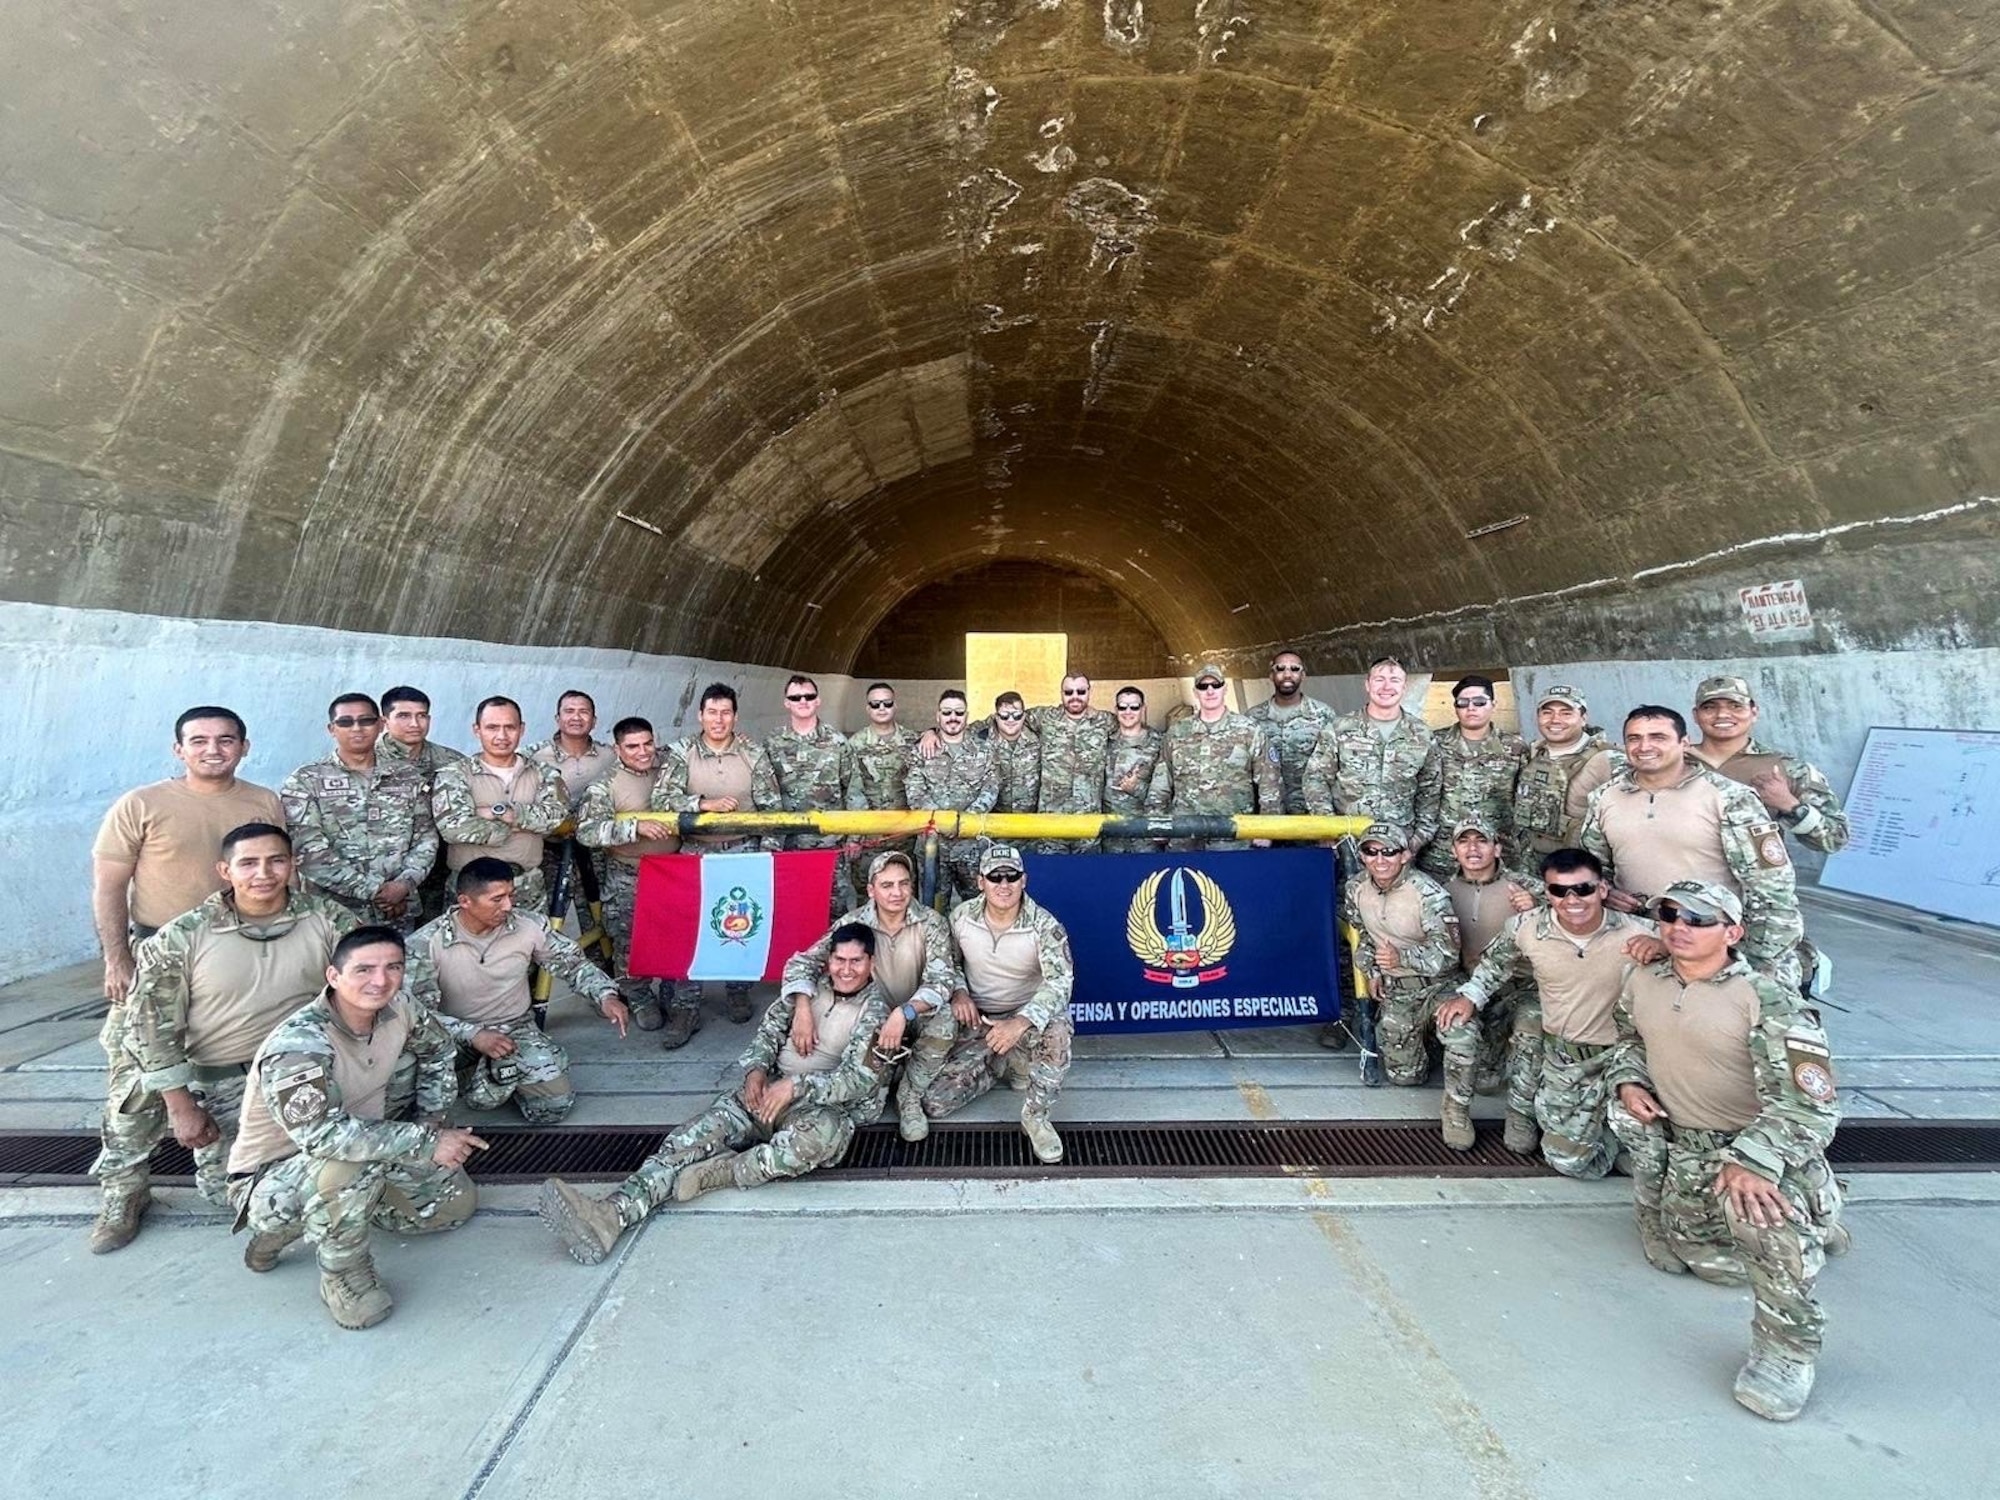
[1837, 1240]
[911, 1121]
[706, 1177]
[683, 1021]
[1042, 1137]
[118, 1221]
[1522, 1135]
[354, 1294]
[1653, 1240]
[1457, 1125]
[1774, 1383]
[262, 1253]
[588, 1227]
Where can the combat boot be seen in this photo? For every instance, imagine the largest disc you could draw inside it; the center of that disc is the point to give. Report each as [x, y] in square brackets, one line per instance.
[646, 1013]
[1522, 1136]
[738, 1001]
[588, 1227]
[683, 1021]
[1333, 1037]
[706, 1176]
[1042, 1137]
[262, 1253]
[1489, 1081]
[1457, 1125]
[1653, 1240]
[1774, 1383]
[911, 1121]
[355, 1294]
[118, 1221]
[1836, 1241]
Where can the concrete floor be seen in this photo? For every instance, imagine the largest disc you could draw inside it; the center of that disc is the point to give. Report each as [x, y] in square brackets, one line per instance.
[1207, 1338]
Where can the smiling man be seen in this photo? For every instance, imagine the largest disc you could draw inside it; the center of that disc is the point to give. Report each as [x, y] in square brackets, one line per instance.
[1562, 768]
[960, 777]
[1293, 721]
[499, 804]
[1477, 768]
[617, 818]
[814, 765]
[1128, 769]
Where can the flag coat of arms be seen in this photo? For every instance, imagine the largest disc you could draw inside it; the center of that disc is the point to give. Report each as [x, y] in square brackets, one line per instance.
[728, 916]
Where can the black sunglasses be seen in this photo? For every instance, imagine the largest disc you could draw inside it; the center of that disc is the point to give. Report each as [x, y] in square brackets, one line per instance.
[1581, 888]
[1470, 702]
[1208, 685]
[1009, 714]
[1076, 692]
[1376, 851]
[881, 702]
[356, 721]
[951, 713]
[1003, 877]
[1670, 914]
[800, 697]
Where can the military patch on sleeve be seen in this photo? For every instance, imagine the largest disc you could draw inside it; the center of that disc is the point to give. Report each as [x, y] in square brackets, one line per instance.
[1811, 1067]
[301, 1098]
[1769, 843]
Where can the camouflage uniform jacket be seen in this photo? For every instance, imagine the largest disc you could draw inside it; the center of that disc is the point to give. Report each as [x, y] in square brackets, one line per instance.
[1437, 955]
[1787, 1045]
[355, 831]
[671, 793]
[880, 766]
[814, 770]
[1134, 761]
[1360, 774]
[1476, 779]
[595, 764]
[1294, 731]
[553, 951]
[1051, 998]
[852, 1084]
[1751, 847]
[1504, 960]
[1216, 769]
[1541, 793]
[157, 1007]
[430, 760]
[599, 824]
[1018, 765]
[961, 777]
[1820, 821]
[1074, 751]
[806, 971]
[299, 1054]
[461, 821]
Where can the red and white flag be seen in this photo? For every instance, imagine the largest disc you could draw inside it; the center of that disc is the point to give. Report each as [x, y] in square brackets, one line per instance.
[728, 916]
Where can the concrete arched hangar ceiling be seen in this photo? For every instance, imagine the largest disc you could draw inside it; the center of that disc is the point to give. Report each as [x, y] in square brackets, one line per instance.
[719, 328]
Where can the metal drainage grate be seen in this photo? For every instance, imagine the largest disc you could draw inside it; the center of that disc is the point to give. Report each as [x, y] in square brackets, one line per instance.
[1173, 1148]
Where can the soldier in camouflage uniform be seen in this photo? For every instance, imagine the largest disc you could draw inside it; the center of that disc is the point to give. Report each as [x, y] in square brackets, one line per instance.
[715, 771]
[959, 777]
[1667, 817]
[1727, 1105]
[1009, 1011]
[362, 827]
[1017, 756]
[616, 818]
[1408, 953]
[406, 741]
[882, 752]
[500, 804]
[1128, 771]
[814, 764]
[472, 967]
[1217, 763]
[1293, 722]
[794, 1110]
[315, 1153]
[1075, 742]
[1485, 896]
[208, 988]
[1477, 765]
[1574, 954]
[1571, 760]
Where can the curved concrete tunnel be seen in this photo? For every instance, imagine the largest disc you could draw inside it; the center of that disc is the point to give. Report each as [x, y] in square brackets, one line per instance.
[1514, 335]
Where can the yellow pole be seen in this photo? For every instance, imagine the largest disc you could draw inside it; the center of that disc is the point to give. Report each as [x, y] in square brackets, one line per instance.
[1010, 827]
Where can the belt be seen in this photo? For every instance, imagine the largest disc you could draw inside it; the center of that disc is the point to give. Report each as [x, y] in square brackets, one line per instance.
[1580, 1051]
[218, 1072]
[1706, 1140]
[1409, 982]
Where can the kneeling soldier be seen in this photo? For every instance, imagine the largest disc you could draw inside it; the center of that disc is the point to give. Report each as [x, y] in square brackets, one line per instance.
[769, 1127]
[1009, 1009]
[313, 1153]
[1726, 1085]
[1485, 895]
[1408, 952]
[471, 967]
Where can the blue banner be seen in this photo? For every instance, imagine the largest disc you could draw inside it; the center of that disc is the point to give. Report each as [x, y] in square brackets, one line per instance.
[1197, 942]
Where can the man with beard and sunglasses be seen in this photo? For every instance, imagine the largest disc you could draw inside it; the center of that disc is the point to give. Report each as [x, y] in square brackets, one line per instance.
[961, 777]
[1725, 1084]
[1292, 721]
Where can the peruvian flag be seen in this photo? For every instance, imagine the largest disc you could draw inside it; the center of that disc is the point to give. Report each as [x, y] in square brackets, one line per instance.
[728, 916]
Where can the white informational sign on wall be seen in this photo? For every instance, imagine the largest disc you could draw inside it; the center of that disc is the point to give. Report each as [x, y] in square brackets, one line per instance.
[1925, 805]
[1777, 611]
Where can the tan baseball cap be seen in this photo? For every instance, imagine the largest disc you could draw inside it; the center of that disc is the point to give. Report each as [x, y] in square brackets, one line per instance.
[1561, 692]
[1388, 834]
[1702, 897]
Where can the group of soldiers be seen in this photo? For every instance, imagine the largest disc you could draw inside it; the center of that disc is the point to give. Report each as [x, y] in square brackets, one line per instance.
[1607, 933]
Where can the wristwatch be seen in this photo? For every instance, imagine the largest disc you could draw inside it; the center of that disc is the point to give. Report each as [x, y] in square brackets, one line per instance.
[910, 1013]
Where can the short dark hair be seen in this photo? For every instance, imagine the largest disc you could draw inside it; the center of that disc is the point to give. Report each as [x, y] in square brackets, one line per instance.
[482, 872]
[211, 711]
[1009, 697]
[405, 694]
[364, 937]
[497, 701]
[799, 679]
[958, 693]
[1286, 651]
[718, 692]
[853, 932]
[333, 708]
[1562, 861]
[1658, 711]
[1472, 679]
[885, 686]
[569, 693]
[632, 725]
[1136, 692]
[243, 832]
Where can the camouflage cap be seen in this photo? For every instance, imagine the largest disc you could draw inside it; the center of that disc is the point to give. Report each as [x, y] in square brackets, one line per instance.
[1000, 857]
[1209, 669]
[1702, 897]
[1723, 687]
[891, 857]
[1479, 825]
[1562, 692]
[1380, 832]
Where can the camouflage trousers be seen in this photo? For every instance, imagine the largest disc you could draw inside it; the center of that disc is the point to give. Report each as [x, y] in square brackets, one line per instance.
[961, 1066]
[336, 1201]
[1062, 846]
[1405, 1021]
[365, 913]
[1673, 1176]
[535, 1076]
[958, 866]
[1572, 1107]
[804, 1138]
[135, 1121]
[844, 897]
[1510, 1045]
